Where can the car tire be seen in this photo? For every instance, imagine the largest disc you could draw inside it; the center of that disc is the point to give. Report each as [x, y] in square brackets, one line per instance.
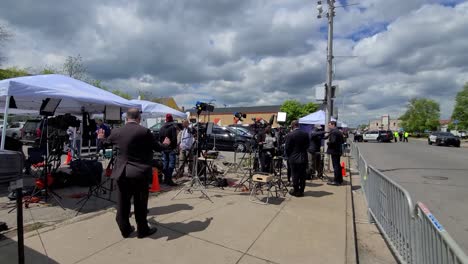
[15, 136]
[379, 140]
[457, 146]
[240, 147]
[429, 142]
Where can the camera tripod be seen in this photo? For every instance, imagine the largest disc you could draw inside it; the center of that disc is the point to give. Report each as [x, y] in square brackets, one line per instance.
[195, 183]
[253, 167]
[99, 187]
[277, 175]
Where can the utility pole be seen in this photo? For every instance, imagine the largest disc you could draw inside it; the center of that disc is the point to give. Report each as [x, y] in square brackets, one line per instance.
[330, 14]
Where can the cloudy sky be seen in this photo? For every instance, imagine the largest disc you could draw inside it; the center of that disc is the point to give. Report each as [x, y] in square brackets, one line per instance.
[252, 52]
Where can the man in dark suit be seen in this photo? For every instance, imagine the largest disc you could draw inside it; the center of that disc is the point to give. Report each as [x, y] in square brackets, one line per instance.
[132, 170]
[297, 143]
[335, 143]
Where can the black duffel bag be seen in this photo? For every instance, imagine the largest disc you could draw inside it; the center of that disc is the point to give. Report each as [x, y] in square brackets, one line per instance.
[86, 172]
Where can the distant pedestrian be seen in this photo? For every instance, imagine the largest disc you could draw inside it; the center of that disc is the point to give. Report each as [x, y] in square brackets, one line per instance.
[395, 135]
[400, 135]
[406, 136]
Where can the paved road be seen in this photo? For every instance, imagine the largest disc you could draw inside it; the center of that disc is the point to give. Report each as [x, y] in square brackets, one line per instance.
[417, 167]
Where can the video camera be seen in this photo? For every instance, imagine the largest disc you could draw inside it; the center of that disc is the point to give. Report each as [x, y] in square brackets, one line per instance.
[200, 106]
[62, 122]
[240, 115]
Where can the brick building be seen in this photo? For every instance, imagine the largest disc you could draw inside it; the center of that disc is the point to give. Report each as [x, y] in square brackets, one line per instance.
[385, 123]
[225, 116]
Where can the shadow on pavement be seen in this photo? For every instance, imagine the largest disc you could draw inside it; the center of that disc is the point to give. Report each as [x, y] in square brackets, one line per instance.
[311, 184]
[178, 230]
[317, 193]
[169, 209]
[9, 253]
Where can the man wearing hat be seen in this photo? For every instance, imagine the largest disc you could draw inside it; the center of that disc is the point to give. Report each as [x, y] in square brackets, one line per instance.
[169, 130]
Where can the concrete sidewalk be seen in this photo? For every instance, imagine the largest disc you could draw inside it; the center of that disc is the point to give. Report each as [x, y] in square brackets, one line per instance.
[316, 228]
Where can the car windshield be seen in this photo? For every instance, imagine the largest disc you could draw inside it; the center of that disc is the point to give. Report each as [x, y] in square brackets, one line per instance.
[156, 126]
[238, 130]
[446, 134]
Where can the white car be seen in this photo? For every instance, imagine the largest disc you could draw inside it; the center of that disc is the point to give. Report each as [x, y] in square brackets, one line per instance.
[379, 136]
[370, 136]
[14, 130]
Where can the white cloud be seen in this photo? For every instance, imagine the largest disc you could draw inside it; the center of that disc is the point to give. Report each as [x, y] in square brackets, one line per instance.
[253, 52]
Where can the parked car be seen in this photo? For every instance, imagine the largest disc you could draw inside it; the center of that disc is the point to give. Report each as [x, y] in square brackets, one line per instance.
[379, 136]
[240, 130]
[443, 138]
[225, 138]
[31, 131]
[14, 130]
[358, 136]
[155, 128]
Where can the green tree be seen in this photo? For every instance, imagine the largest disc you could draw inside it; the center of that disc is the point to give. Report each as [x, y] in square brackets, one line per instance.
[421, 114]
[294, 109]
[460, 110]
[122, 94]
[12, 73]
[309, 108]
[48, 70]
[74, 67]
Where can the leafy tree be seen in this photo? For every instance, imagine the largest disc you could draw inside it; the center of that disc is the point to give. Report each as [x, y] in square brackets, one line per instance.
[362, 126]
[422, 114]
[122, 94]
[74, 67]
[309, 108]
[460, 111]
[48, 70]
[12, 73]
[294, 109]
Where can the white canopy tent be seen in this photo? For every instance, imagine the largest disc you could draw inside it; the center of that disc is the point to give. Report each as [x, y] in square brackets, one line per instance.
[76, 96]
[318, 118]
[152, 109]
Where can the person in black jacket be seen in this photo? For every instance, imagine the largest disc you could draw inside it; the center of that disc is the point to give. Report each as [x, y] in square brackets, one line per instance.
[132, 169]
[335, 142]
[297, 143]
[169, 130]
[316, 138]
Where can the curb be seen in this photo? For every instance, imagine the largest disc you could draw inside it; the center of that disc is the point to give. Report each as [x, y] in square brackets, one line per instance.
[352, 256]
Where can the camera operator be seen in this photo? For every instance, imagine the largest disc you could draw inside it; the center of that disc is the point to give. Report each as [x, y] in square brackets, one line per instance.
[267, 143]
[185, 147]
[169, 130]
[102, 132]
[316, 138]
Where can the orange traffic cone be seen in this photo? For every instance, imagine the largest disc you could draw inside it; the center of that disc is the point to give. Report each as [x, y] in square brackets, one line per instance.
[155, 185]
[69, 158]
[343, 169]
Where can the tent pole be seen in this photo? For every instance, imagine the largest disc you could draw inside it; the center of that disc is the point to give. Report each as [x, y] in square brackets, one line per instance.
[5, 121]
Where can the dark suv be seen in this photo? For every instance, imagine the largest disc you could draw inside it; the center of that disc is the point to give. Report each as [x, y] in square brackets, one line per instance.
[31, 131]
[225, 138]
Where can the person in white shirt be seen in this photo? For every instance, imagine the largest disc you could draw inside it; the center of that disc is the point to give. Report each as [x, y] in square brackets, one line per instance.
[185, 147]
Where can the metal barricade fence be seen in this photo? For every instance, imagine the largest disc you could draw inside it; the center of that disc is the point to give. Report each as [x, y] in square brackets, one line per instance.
[433, 243]
[392, 209]
[413, 233]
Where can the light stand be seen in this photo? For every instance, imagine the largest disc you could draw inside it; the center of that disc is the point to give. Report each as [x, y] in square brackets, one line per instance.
[195, 183]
